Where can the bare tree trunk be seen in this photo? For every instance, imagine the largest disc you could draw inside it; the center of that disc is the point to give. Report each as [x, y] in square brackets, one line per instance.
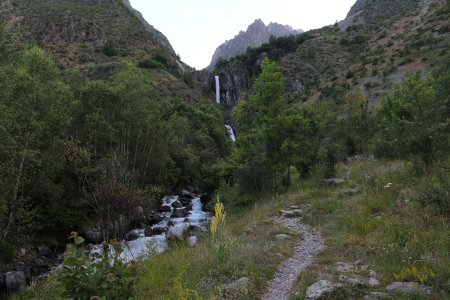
[13, 206]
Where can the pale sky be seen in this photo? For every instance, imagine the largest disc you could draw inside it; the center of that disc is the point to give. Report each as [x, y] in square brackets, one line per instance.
[195, 28]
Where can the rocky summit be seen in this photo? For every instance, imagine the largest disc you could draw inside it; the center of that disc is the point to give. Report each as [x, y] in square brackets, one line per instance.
[257, 34]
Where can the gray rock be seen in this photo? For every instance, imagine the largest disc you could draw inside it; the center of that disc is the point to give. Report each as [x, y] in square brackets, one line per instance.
[44, 250]
[179, 213]
[332, 182]
[343, 267]
[351, 280]
[408, 288]
[281, 237]
[41, 261]
[158, 230]
[192, 241]
[176, 233]
[195, 230]
[15, 281]
[350, 191]
[177, 204]
[148, 231]
[185, 194]
[154, 219]
[236, 288]
[132, 235]
[21, 266]
[164, 208]
[94, 235]
[291, 213]
[373, 281]
[319, 288]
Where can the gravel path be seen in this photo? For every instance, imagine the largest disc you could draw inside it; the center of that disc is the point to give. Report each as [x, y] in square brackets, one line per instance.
[304, 254]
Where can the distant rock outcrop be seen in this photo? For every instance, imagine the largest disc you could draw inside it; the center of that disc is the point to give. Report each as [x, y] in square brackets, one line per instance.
[256, 35]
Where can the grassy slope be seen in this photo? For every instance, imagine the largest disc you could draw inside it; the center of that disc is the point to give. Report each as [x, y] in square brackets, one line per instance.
[380, 227]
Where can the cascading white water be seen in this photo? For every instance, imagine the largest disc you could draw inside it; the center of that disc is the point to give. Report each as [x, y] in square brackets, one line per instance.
[217, 89]
[230, 133]
[143, 245]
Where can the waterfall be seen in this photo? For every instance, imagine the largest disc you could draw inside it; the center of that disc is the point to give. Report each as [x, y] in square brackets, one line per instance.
[230, 133]
[217, 89]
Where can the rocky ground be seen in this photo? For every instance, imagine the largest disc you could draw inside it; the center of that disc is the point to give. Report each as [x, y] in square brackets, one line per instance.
[304, 254]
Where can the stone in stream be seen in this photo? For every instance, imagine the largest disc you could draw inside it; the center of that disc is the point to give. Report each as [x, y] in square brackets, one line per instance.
[187, 194]
[177, 204]
[164, 208]
[15, 281]
[175, 232]
[158, 230]
[148, 231]
[180, 213]
[320, 288]
[132, 235]
[154, 219]
[44, 250]
[194, 230]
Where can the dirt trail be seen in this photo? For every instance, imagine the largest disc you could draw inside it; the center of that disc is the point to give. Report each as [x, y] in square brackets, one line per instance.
[304, 254]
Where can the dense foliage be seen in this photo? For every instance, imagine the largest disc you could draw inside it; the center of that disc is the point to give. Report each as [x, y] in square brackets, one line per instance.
[74, 149]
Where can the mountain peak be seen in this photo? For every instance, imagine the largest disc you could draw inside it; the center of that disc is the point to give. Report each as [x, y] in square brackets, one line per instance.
[257, 34]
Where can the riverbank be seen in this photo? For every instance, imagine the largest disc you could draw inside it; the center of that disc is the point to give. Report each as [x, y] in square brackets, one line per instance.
[381, 241]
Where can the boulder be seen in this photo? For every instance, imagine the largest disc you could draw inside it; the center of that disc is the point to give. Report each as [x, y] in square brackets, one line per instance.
[21, 266]
[154, 219]
[179, 213]
[194, 230]
[175, 232]
[185, 201]
[164, 208]
[41, 261]
[294, 213]
[93, 235]
[158, 230]
[205, 198]
[177, 204]
[373, 281]
[332, 182]
[44, 250]
[408, 288]
[344, 267]
[187, 194]
[192, 241]
[351, 280]
[132, 235]
[320, 288]
[15, 281]
[236, 289]
[189, 207]
[281, 237]
[148, 231]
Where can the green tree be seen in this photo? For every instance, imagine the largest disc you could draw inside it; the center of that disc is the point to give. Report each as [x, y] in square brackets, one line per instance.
[413, 120]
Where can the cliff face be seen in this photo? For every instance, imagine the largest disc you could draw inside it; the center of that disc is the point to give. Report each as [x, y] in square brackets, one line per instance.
[256, 35]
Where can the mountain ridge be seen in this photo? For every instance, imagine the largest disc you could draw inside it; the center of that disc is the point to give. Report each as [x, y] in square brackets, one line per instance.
[256, 34]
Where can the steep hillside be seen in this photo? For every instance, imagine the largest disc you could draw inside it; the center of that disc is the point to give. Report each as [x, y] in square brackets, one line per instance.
[94, 36]
[256, 34]
[372, 49]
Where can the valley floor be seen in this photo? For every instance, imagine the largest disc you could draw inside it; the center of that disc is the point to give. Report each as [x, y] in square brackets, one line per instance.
[380, 242]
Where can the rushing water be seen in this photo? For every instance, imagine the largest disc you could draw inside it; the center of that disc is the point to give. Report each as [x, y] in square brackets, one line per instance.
[217, 89]
[143, 246]
[230, 133]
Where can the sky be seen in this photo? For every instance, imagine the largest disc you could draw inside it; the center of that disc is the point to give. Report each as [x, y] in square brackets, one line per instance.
[195, 28]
